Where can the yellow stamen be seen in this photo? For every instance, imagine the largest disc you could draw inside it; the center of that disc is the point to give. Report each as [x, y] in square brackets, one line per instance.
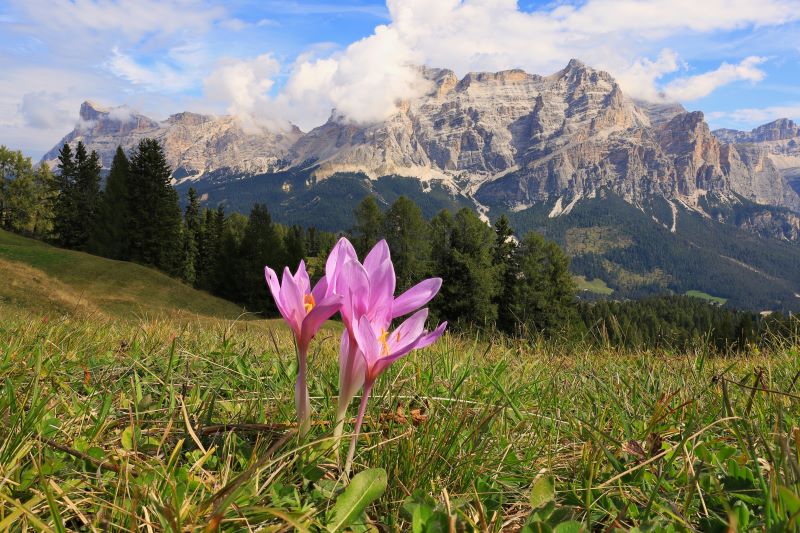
[382, 338]
[309, 303]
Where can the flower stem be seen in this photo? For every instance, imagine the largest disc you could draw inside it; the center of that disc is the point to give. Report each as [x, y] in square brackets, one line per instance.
[361, 410]
[301, 399]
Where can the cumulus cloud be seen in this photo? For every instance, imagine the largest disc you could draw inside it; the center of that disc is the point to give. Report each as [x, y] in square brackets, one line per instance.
[695, 87]
[756, 115]
[365, 81]
[244, 86]
[43, 110]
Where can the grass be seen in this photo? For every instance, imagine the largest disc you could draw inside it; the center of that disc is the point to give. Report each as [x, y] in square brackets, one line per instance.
[705, 296]
[597, 285]
[46, 279]
[187, 425]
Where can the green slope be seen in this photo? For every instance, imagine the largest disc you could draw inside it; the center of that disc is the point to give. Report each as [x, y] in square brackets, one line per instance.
[611, 240]
[39, 277]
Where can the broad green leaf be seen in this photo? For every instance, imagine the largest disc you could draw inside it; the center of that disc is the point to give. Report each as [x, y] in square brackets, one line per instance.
[366, 487]
[568, 527]
[543, 491]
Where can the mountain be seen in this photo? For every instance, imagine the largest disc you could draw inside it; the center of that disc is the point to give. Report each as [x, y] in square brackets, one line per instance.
[550, 150]
[197, 146]
[776, 145]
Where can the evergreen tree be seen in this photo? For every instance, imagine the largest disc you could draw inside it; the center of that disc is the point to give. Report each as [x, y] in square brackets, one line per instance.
[155, 222]
[408, 235]
[86, 192]
[462, 257]
[64, 209]
[505, 260]
[544, 293]
[261, 245]
[110, 236]
[368, 226]
[191, 237]
[294, 243]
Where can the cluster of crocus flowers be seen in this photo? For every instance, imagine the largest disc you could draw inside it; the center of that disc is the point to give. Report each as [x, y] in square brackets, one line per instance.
[363, 294]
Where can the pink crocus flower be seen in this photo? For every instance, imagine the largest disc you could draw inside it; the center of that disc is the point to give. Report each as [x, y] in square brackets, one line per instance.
[305, 310]
[367, 290]
[380, 348]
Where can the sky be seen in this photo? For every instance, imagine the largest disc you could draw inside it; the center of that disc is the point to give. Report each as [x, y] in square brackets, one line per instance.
[279, 62]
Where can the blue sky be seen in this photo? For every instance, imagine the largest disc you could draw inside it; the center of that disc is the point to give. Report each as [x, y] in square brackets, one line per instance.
[276, 62]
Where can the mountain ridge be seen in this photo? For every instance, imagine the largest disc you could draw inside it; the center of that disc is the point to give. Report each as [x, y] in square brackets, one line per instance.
[506, 140]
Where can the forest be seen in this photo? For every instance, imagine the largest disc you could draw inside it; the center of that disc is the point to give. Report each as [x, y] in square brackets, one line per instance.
[497, 282]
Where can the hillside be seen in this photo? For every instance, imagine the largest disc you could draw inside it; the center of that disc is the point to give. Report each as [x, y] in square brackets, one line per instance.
[42, 278]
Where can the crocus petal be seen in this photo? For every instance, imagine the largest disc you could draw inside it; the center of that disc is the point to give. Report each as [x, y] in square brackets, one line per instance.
[415, 297]
[275, 288]
[368, 342]
[409, 332]
[341, 253]
[320, 289]
[316, 317]
[430, 338]
[292, 301]
[351, 370]
[301, 278]
[381, 293]
[355, 282]
[377, 256]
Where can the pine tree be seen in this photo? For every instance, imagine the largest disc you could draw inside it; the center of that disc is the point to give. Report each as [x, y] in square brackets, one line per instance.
[462, 257]
[64, 209]
[155, 222]
[504, 259]
[86, 192]
[544, 295]
[260, 246]
[408, 235]
[191, 237]
[294, 243]
[110, 236]
[368, 226]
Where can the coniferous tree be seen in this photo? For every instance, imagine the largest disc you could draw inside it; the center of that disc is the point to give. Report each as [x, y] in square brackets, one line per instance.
[462, 257]
[64, 209]
[155, 222]
[505, 260]
[261, 245]
[110, 236]
[368, 225]
[86, 192]
[294, 243]
[408, 235]
[544, 294]
[191, 237]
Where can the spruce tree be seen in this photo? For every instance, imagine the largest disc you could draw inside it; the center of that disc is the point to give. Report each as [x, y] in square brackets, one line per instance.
[64, 208]
[408, 235]
[110, 235]
[462, 257]
[544, 295]
[260, 246]
[367, 229]
[191, 237]
[86, 192]
[155, 222]
[504, 259]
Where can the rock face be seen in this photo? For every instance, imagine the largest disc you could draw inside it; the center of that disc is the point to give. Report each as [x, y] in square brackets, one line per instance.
[195, 145]
[507, 139]
[773, 148]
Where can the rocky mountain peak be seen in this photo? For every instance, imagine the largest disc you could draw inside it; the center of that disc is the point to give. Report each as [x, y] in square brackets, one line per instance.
[92, 111]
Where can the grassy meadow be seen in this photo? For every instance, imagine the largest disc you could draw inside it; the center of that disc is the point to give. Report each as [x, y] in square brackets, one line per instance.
[186, 425]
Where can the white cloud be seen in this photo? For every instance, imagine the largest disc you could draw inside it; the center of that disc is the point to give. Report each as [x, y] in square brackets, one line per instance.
[365, 81]
[243, 85]
[44, 110]
[695, 87]
[749, 116]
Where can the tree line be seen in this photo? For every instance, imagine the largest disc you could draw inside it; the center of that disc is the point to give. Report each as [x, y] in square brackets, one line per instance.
[493, 281]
